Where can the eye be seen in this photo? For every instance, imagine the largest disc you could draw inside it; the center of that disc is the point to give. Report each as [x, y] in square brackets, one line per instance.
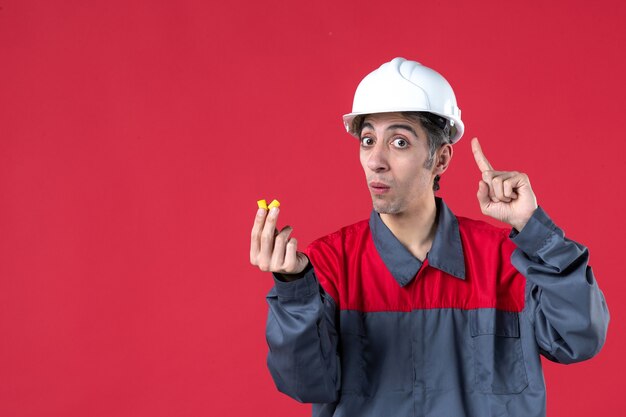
[366, 141]
[400, 143]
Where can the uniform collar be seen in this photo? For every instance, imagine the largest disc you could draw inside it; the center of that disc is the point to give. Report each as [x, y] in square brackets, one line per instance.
[446, 253]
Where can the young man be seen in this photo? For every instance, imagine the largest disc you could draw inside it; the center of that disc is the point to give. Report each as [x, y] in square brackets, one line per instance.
[418, 312]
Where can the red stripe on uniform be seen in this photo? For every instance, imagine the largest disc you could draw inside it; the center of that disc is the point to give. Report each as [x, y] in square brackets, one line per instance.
[351, 271]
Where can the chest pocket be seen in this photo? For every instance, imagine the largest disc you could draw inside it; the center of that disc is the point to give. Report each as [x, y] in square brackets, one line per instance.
[498, 358]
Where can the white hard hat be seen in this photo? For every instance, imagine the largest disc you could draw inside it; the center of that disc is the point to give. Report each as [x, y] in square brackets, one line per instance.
[402, 86]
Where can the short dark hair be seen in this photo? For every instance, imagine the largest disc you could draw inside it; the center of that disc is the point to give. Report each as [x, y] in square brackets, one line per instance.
[437, 132]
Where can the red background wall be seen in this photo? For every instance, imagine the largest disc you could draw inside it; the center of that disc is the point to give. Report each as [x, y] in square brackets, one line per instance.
[136, 136]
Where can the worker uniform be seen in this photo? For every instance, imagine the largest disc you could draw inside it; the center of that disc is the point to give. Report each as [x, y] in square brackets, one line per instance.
[371, 331]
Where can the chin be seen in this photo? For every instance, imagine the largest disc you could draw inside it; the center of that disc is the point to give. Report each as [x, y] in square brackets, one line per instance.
[385, 207]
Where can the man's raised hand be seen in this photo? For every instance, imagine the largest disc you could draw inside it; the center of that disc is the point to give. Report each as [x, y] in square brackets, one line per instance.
[275, 251]
[504, 195]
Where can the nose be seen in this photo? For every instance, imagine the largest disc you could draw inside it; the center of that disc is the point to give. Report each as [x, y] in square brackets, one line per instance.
[377, 159]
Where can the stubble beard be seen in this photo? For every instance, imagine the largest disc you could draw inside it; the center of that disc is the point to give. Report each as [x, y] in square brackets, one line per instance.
[383, 206]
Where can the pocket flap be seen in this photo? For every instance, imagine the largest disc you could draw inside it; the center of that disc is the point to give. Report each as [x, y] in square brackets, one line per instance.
[485, 321]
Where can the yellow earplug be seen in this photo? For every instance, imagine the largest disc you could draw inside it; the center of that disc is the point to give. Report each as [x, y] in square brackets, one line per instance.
[262, 204]
[274, 203]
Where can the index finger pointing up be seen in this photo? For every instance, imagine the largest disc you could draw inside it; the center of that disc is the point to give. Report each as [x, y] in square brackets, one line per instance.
[479, 156]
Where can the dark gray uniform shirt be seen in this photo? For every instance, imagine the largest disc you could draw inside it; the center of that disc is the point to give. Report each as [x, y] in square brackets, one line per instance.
[369, 330]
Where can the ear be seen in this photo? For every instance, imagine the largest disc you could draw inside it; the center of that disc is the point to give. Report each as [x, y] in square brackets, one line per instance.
[444, 156]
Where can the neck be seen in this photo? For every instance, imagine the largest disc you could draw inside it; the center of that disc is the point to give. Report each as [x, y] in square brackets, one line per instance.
[415, 229]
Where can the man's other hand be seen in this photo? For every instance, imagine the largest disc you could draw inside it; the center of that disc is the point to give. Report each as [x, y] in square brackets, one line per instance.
[275, 251]
[504, 195]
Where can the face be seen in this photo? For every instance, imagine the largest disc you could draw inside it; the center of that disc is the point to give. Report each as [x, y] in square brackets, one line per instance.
[394, 156]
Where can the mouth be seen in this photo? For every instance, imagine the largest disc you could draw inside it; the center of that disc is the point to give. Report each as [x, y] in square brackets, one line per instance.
[379, 188]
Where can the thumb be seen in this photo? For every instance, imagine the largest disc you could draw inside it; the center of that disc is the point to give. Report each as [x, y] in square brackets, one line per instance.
[483, 194]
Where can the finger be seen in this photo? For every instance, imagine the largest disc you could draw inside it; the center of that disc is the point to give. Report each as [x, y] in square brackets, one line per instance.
[291, 264]
[483, 195]
[497, 183]
[278, 254]
[517, 182]
[488, 179]
[255, 236]
[509, 187]
[267, 240]
[479, 157]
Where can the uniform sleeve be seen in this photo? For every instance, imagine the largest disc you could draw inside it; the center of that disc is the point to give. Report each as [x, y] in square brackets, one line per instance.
[302, 339]
[570, 314]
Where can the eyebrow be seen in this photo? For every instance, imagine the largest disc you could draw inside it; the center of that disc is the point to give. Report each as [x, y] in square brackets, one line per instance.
[392, 127]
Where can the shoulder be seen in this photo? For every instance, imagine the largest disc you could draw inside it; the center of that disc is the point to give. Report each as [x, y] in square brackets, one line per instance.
[332, 249]
[483, 238]
[328, 255]
[480, 230]
[486, 245]
[337, 240]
